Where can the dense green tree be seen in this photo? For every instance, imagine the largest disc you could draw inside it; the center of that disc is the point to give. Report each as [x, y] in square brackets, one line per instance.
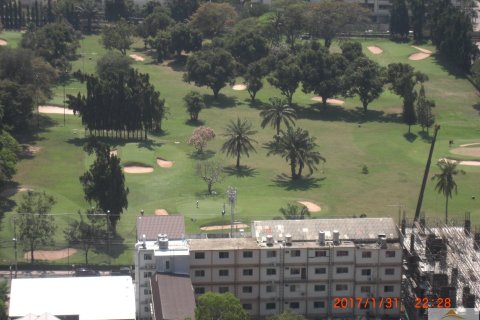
[327, 19]
[278, 112]
[162, 43]
[194, 103]
[112, 65]
[446, 184]
[217, 306]
[88, 10]
[366, 79]
[118, 9]
[104, 182]
[184, 39]
[8, 156]
[49, 14]
[157, 21]
[239, 142]
[4, 292]
[213, 68]
[425, 116]
[293, 21]
[437, 14]
[403, 78]
[253, 78]
[298, 148]
[294, 212]
[417, 7]
[211, 18]
[66, 11]
[87, 232]
[35, 223]
[286, 74]
[475, 72]
[399, 25]
[352, 50]
[181, 10]
[17, 104]
[247, 48]
[118, 36]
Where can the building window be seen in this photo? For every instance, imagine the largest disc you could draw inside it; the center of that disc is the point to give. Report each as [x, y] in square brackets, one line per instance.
[365, 289]
[146, 291]
[167, 265]
[319, 287]
[294, 305]
[222, 289]
[199, 290]
[199, 255]
[147, 274]
[146, 309]
[248, 272]
[295, 253]
[271, 272]
[223, 255]
[366, 254]
[389, 271]
[199, 273]
[390, 254]
[293, 288]
[271, 306]
[248, 254]
[388, 289]
[247, 306]
[294, 271]
[342, 270]
[320, 253]
[319, 304]
[247, 289]
[223, 273]
[366, 272]
[147, 256]
[341, 287]
[320, 270]
[342, 253]
[269, 288]
[271, 254]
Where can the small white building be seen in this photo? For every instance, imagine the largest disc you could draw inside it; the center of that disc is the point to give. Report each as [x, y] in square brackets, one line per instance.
[82, 298]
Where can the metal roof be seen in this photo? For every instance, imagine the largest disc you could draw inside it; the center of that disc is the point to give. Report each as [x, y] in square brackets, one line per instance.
[354, 229]
[172, 297]
[150, 226]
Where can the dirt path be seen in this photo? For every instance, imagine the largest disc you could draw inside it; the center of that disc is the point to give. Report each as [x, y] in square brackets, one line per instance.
[137, 57]
[50, 254]
[225, 227]
[312, 207]
[375, 50]
[161, 212]
[137, 169]
[335, 102]
[54, 109]
[423, 50]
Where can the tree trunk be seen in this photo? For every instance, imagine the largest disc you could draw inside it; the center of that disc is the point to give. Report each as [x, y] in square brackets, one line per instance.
[446, 210]
[324, 101]
[409, 128]
[86, 256]
[328, 43]
[32, 249]
[209, 185]
[238, 159]
[365, 106]
[300, 169]
[215, 93]
[293, 167]
[278, 128]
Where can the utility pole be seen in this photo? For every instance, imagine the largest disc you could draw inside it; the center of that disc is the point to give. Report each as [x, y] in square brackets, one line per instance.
[232, 198]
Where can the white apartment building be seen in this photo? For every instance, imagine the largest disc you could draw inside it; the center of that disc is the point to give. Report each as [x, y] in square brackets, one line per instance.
[321, 268]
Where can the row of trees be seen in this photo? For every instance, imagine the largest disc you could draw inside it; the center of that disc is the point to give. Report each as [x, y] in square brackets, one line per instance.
[15, 15]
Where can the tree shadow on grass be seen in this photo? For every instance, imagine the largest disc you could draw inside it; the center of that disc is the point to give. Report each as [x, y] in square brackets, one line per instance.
[425, 136]
[221, 102]
[477, 107]
[178, 64]
[205, 155]
[447, 65]
[257, 104]
[303, 184]
[194, 123]
[241, 172]
[317, 111]
[114, 248]
[410, 136]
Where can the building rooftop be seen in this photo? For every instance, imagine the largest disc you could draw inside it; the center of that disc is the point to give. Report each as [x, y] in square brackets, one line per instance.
[172, 297]
[150, 226]
[89, 298]
[354, 229]
[223, 244]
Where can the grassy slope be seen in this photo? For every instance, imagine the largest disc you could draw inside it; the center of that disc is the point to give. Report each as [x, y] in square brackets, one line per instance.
[346, 138]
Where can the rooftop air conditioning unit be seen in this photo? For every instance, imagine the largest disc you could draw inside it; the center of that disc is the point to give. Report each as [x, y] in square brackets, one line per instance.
[269, 240]
[288, 239]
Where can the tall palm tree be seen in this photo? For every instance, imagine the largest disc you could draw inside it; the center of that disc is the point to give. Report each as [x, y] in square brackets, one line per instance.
[297, 147]
[294, 212]
[279, 111]
[238, 139]
[445, 183]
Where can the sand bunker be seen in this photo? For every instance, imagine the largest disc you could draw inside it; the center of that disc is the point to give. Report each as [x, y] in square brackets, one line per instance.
[470, 144]
[335, 102]
[11, 191]
[50, 254]
[137, 57]
[137, 169]
[423, 50]
[114, 152]
[164, 163]
[29, 151]
[418, 56]
[161, 212]
[463, 163]
[54, 109]
[3, 42]
[312, 207]
[224, 227]
[239, 87]
[472, 152]
[375, 50]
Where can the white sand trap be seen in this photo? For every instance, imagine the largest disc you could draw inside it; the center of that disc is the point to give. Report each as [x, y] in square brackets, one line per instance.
[418, 56]
[29, 151]
[165, 163]
[137, 169]
[312, 207]
[375, 50]
[470, 144]
[50, 254]
[224, 227]
[114, 152]
[239, 87]
[472, 152]
[335, 102]
[54, 109]
[11, 191]
[3, 42]
[177, 142]
[423, 50]
[137, 57]
[463, 163]
[161, 212]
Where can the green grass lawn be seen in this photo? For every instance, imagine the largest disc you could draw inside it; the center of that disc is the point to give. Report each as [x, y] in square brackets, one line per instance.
[346, 138]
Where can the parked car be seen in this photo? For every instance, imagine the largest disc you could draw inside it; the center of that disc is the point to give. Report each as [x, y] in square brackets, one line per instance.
[84, 272]
[123, 271]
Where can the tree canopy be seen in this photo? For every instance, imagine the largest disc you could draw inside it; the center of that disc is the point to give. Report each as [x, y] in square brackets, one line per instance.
[112, 65]
[286, 74]
[399, 25]
[211, 18]
[118, 36]
[217, 306]
[8, 157]
[239, 140]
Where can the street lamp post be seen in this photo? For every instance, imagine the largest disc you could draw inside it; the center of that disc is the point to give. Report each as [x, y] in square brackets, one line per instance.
[232, 198]
[65, 73]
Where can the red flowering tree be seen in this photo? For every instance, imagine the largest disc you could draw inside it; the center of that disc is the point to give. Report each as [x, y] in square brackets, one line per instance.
[200, 137]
